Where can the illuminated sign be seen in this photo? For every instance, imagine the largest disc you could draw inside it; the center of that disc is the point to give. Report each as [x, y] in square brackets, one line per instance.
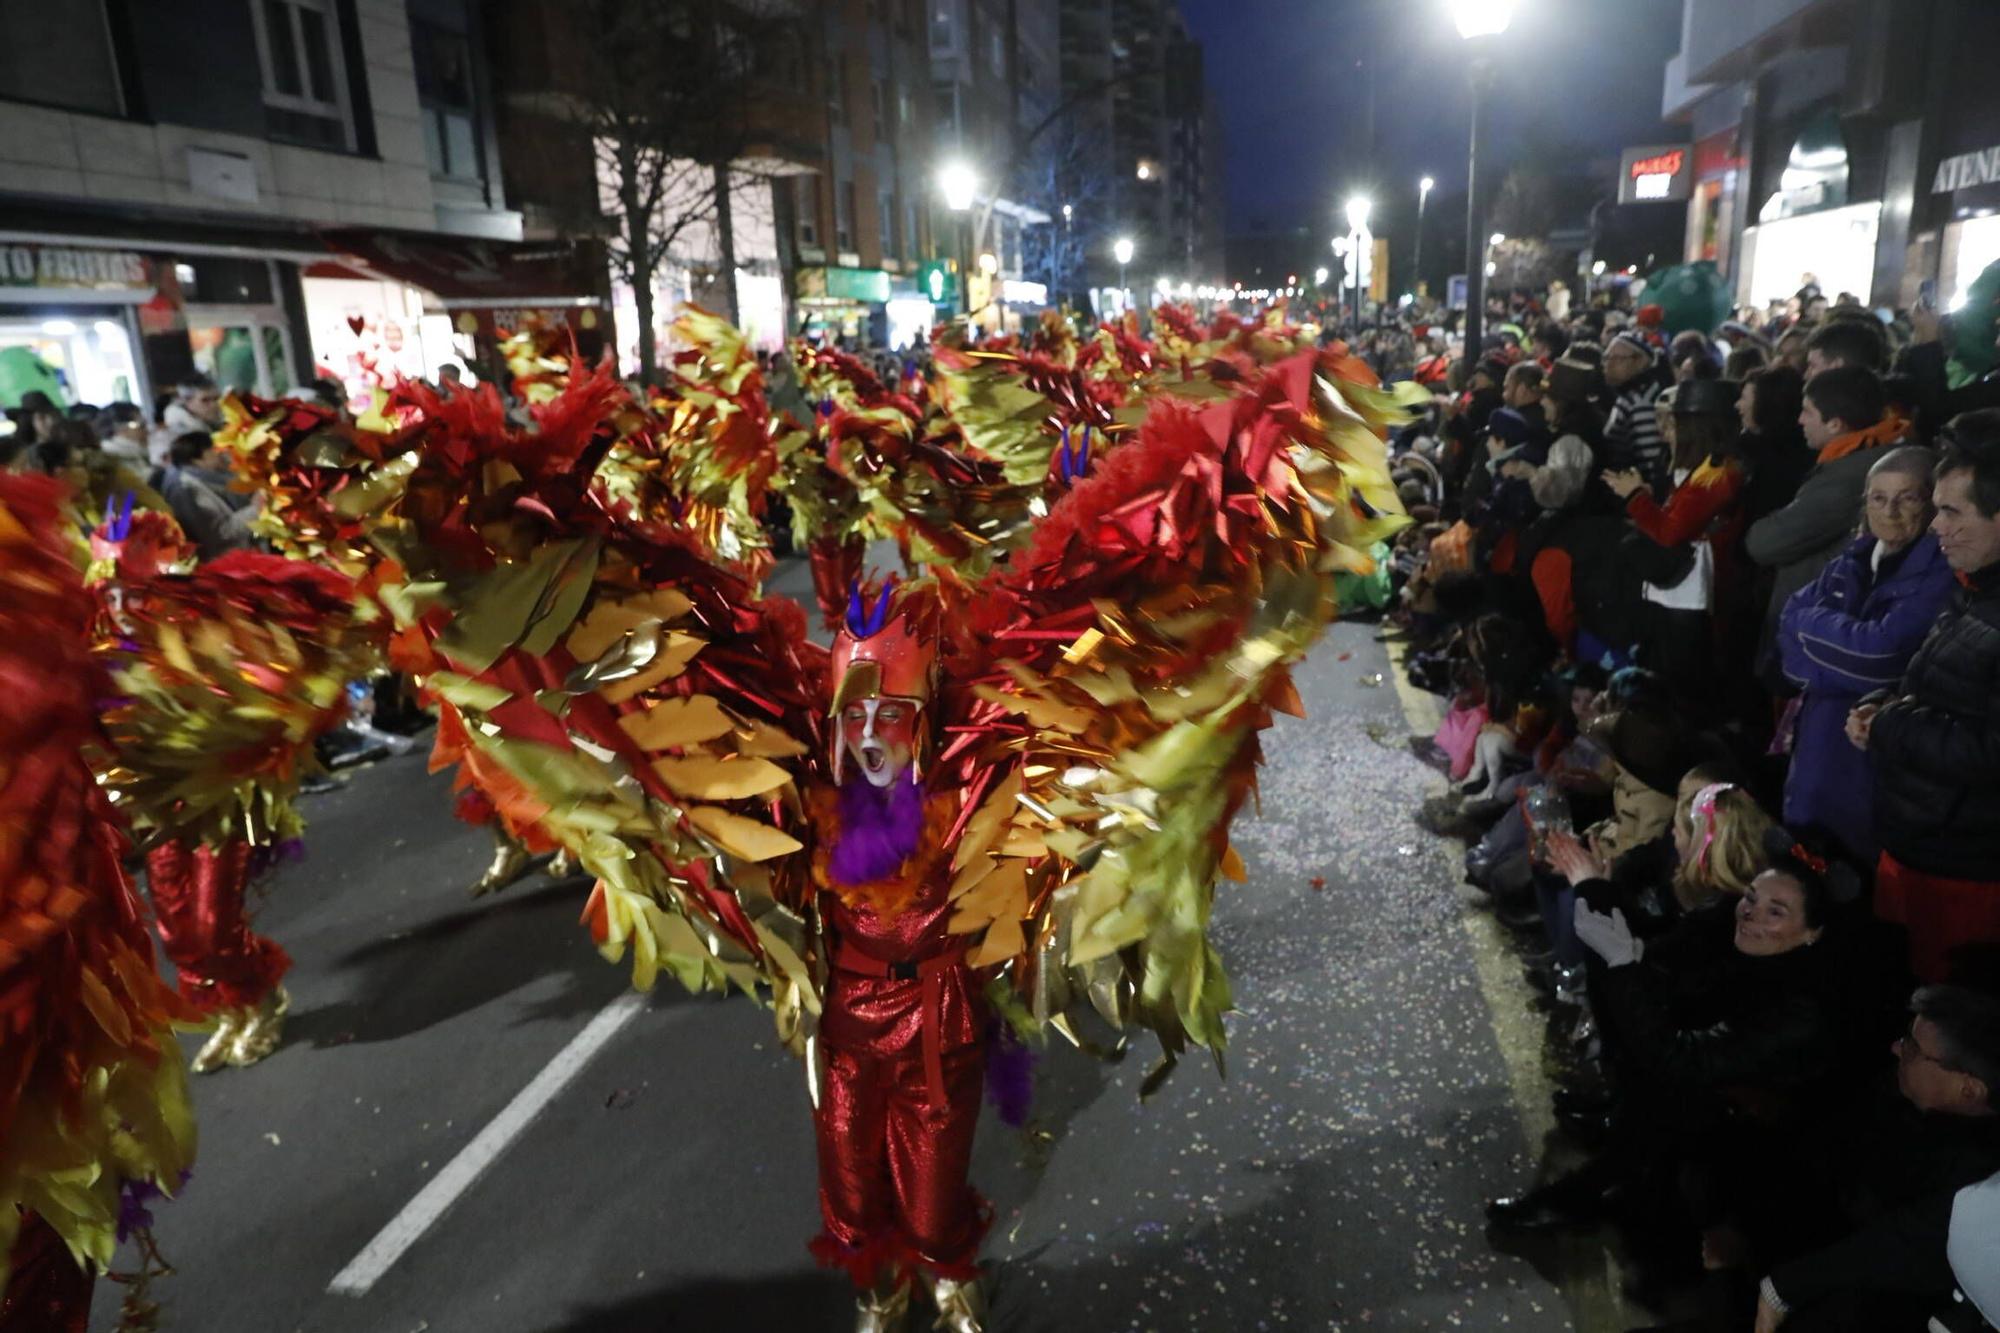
[1654, 175]
[1967, 170]
[1015, 292]
[76, 272]
[1666, 164]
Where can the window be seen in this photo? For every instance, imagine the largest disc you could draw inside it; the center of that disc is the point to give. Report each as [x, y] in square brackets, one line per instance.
[59, 55]
[298, 49]
[879, 91]
[909, 236]
[996, 50]
[808, 206]
[843, 217]
[905, 108]
[836, 91]
[941, 42]
[445, 93]
[885, 218]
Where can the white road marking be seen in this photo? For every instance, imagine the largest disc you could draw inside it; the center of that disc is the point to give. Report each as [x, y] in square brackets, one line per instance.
[423, 1211]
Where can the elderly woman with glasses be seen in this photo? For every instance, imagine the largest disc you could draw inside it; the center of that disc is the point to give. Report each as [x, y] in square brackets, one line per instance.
[1852, 631]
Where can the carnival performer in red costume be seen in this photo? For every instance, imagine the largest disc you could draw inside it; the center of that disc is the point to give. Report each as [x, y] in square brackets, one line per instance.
[1007, 794]
[223, 676]
[94, 1114]
[904, 1022]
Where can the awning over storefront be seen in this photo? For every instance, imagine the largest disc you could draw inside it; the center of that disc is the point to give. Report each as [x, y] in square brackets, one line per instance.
[469, 275]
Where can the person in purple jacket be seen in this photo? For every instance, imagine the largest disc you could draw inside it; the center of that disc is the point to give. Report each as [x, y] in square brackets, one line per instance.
[1850, 632]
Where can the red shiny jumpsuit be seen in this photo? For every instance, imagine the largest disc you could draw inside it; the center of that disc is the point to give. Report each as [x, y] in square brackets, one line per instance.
[198, 897]
[904, 1027]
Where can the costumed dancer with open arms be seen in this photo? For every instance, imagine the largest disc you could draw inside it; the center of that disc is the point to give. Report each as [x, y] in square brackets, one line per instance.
[1007, 796]
[94, 1115]
[222, 676]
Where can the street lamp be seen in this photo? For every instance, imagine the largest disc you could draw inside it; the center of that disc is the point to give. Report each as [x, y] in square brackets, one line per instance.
[1424, 188]
[1121, 250]
[1320, 276]
[1482, 18]
[1479, 22]
[959, 184]
[1358, 208]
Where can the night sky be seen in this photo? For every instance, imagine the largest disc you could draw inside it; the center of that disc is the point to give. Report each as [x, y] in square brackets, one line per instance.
[1294, 91]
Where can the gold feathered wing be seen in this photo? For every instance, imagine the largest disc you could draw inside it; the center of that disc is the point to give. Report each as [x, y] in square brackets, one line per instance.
[1137, 649]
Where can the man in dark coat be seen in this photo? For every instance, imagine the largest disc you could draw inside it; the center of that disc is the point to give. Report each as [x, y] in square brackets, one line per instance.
[1893, 1168]
[1935, 746]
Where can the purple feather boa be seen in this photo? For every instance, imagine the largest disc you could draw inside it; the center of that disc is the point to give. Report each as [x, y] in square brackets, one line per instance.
[879, 828]
[1010, 1075]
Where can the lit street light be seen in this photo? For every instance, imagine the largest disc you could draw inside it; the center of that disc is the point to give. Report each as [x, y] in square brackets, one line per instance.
[1320, 276]
[1479, 23]
[1358, 209]
[1499, 238]
[1121, 250]
[1482, 18]
[959, 184]
[1424, 188]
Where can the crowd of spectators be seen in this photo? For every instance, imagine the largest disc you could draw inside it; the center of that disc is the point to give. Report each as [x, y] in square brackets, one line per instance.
[1715, 616]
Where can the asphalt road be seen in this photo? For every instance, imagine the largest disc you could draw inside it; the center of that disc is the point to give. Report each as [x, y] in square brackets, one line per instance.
[1332, 1181]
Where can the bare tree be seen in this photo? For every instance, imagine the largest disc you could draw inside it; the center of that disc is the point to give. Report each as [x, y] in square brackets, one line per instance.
[674, 96]
[1063, 168]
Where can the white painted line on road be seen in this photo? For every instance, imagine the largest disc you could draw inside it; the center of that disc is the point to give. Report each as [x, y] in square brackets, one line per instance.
[423, 1211]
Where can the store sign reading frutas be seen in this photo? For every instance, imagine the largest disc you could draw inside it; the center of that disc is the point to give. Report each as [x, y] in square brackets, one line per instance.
[74, 268]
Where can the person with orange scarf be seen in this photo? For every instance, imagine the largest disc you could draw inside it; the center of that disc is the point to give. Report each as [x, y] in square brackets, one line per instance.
[1847, 422]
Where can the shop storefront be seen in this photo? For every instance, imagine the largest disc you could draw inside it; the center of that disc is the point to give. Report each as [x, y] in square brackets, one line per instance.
[1970, 181]
[1809, 232]
[69, 323]
[851, 303]
[1712, 204]
[390, 304]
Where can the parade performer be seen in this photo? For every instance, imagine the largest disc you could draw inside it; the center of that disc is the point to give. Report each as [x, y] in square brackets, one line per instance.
[222, 679]
[94, 1113]
[1003, 796]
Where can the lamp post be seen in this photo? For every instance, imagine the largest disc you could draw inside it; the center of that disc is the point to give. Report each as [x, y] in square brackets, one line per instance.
[1358, 209]
[959, 185]
[1478, 22]
[1424, 188]
[1121, 250]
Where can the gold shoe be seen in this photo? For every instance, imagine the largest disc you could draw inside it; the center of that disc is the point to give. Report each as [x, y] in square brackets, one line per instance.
[510, 861]
[259, 1036]
[214, 1053]
[961, 1307]
[882, 1310]
[561, 866]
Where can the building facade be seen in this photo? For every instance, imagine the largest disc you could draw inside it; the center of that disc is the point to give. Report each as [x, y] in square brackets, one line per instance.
[264, 193]
[1135, 82]
[1840, 142]
[997, 87]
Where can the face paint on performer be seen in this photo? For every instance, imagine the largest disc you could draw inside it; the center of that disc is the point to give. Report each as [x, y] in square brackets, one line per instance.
[881, 736]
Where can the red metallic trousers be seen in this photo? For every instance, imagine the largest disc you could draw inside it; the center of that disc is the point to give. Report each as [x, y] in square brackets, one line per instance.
[895, 1127]
[48, 1293]
[198, 897]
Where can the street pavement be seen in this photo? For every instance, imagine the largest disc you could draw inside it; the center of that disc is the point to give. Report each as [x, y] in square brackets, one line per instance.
[1332, 1180]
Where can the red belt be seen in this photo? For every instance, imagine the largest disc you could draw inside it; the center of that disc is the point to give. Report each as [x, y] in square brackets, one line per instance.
[930, 971]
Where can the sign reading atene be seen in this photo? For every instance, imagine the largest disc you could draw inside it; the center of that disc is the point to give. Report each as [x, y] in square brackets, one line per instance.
[1967, 170]
[74, 268]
